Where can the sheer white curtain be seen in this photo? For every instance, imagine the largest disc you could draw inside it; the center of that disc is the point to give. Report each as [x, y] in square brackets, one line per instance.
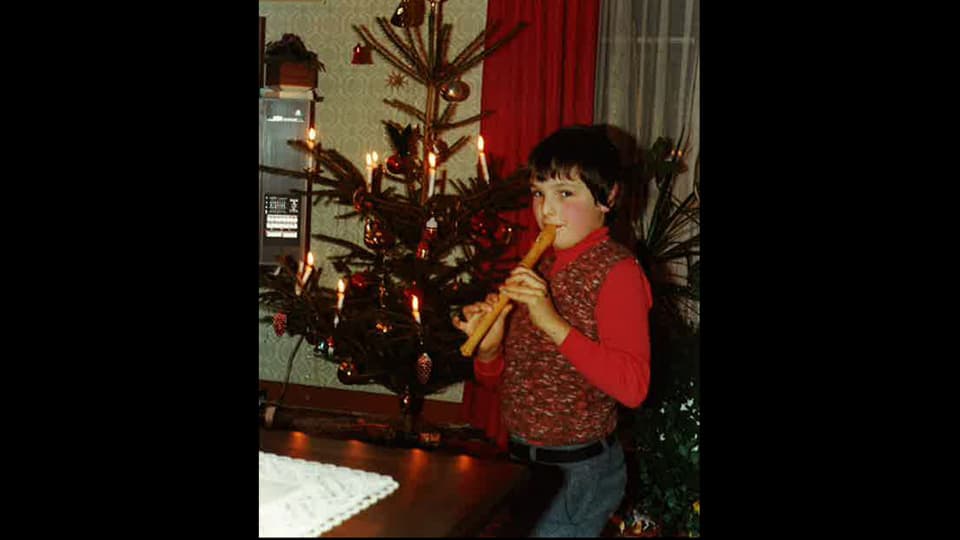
[648, 73]
[648, 86]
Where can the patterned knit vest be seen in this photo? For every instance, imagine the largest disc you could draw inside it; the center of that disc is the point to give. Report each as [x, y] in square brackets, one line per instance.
[545, 399]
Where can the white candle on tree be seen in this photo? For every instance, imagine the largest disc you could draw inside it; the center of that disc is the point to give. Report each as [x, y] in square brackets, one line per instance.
[483, 159]
[369, 177]
[375, 172]
[309, 267]
[303, 274]
[298, 283]
[432, 159]
[311, 143]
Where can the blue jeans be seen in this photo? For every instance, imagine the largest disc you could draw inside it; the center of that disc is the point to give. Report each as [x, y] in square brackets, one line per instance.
[578, 498]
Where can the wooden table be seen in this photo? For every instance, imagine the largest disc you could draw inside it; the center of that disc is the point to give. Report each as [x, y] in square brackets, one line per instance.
[439, 494]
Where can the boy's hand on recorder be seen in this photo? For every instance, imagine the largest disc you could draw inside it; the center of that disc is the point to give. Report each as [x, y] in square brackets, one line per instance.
[527, 287]
[490, 345]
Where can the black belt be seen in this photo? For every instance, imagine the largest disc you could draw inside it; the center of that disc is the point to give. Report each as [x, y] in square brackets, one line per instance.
[525, 452]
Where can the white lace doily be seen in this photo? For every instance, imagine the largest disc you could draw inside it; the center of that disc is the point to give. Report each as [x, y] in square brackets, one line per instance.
[306, 498]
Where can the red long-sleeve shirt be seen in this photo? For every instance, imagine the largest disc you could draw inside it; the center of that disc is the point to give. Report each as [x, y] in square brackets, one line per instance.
[619, 363]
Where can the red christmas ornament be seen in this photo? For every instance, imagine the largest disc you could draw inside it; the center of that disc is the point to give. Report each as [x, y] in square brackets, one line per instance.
[483, 224]
[347, 374]
[483, 241]
[361, 55]
[408, 14]
[455, 91]
[360, 281]
[395, 164]
[424, 365]
[377, 237]
[280, 323]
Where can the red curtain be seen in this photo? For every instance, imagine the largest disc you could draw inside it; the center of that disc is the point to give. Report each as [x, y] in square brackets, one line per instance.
[542, 80]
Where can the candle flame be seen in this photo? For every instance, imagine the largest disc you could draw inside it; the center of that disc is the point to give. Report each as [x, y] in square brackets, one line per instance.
[432, 159]
[480, 143]
[341, 286]
[376, 158]
[310, 258]
[416, 303]
[369, 161]
[312, 134]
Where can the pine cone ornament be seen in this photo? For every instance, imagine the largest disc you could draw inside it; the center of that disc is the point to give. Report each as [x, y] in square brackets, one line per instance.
[424, 365]
[280, 323]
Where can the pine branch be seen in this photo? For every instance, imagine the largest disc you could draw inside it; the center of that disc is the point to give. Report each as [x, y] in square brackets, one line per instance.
[423, 48]
[455, 147]
[461, 123]
[447, 114]
[326, 193]
[407, 108]
[324, 181]
[355, 249]
[408, 52]
[398, 179]
[284, 172]
[473, 45]
[385, 206]
[443, 43]
[371, 41]
[466, 65]
[420, 53]
[349, 177]
[431, 57]
[317, 179]
[458, 185]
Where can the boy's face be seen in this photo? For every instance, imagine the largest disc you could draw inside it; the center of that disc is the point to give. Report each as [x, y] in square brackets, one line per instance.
[567, 203]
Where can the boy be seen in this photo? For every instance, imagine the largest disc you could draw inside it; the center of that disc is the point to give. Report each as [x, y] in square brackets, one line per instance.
[579, 344]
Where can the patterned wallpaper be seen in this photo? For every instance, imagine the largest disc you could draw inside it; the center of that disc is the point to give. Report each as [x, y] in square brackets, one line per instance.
[349, 119]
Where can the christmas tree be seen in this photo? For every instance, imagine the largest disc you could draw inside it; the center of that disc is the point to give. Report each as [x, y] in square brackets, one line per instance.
[431, 244]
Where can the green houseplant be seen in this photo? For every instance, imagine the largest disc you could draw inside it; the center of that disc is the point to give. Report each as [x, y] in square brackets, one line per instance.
[665, 429]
